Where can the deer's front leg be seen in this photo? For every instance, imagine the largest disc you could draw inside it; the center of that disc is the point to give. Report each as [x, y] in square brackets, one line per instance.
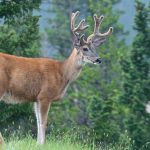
[41, 111]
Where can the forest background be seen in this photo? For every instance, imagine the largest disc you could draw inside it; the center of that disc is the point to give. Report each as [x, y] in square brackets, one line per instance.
[108, 103]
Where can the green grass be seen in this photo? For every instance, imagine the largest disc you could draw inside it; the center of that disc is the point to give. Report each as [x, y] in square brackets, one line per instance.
[52, 144]
[64, 143]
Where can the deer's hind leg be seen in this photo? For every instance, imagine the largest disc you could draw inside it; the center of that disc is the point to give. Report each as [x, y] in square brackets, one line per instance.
[41, 112]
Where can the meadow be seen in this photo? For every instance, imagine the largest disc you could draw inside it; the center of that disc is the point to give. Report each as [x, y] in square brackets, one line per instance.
[65, 142]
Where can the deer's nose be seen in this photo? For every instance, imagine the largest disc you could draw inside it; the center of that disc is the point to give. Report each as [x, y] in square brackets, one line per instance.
[98, 60]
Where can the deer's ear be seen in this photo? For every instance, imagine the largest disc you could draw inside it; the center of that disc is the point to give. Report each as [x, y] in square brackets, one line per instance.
[98, 41]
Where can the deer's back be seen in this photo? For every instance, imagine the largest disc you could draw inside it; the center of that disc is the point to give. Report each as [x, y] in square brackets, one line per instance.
[22, 79]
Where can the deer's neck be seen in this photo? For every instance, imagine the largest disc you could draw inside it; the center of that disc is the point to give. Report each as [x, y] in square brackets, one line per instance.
[72, 66]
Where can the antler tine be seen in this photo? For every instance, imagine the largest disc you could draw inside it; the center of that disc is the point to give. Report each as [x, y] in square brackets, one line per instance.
[98, 21]
[80, 26]
[96, 33]
[110, 30]
[73, 15]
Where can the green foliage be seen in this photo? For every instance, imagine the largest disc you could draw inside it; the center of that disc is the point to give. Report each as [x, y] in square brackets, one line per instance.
[137, 80]
[19, 35]
[103, 109]
[11, 10]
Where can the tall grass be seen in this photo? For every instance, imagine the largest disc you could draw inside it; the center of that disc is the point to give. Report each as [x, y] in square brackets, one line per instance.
[30, 144]
[65, 143]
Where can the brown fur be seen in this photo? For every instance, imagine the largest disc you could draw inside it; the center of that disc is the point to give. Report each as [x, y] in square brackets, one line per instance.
[32, 79]
[38, 80]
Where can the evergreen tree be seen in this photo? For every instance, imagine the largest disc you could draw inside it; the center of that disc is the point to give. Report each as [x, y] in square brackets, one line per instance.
[137, 80]
[103, 107]
[19, 32]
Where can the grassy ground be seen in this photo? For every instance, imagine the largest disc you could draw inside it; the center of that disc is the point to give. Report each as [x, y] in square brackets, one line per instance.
[30, 144]
[61, 144]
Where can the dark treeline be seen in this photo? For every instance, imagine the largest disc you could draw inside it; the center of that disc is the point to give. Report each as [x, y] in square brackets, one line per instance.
[108, 102]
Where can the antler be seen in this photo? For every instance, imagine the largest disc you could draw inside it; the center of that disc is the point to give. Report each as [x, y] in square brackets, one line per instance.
[81, 26]
[96, 34]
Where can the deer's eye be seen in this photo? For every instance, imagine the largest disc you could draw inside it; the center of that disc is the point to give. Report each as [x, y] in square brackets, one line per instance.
[85, 49]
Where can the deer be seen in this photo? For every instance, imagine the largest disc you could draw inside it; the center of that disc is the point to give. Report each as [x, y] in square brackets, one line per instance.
[45, 80]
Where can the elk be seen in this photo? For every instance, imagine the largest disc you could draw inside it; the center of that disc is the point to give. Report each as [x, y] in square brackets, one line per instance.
[44, 80]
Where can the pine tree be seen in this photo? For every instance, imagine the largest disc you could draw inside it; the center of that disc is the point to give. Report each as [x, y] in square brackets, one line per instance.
[19, 32]
[137, 80]
[103, 107]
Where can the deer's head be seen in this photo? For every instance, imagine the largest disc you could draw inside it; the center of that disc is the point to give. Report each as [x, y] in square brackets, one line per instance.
[87, 48]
